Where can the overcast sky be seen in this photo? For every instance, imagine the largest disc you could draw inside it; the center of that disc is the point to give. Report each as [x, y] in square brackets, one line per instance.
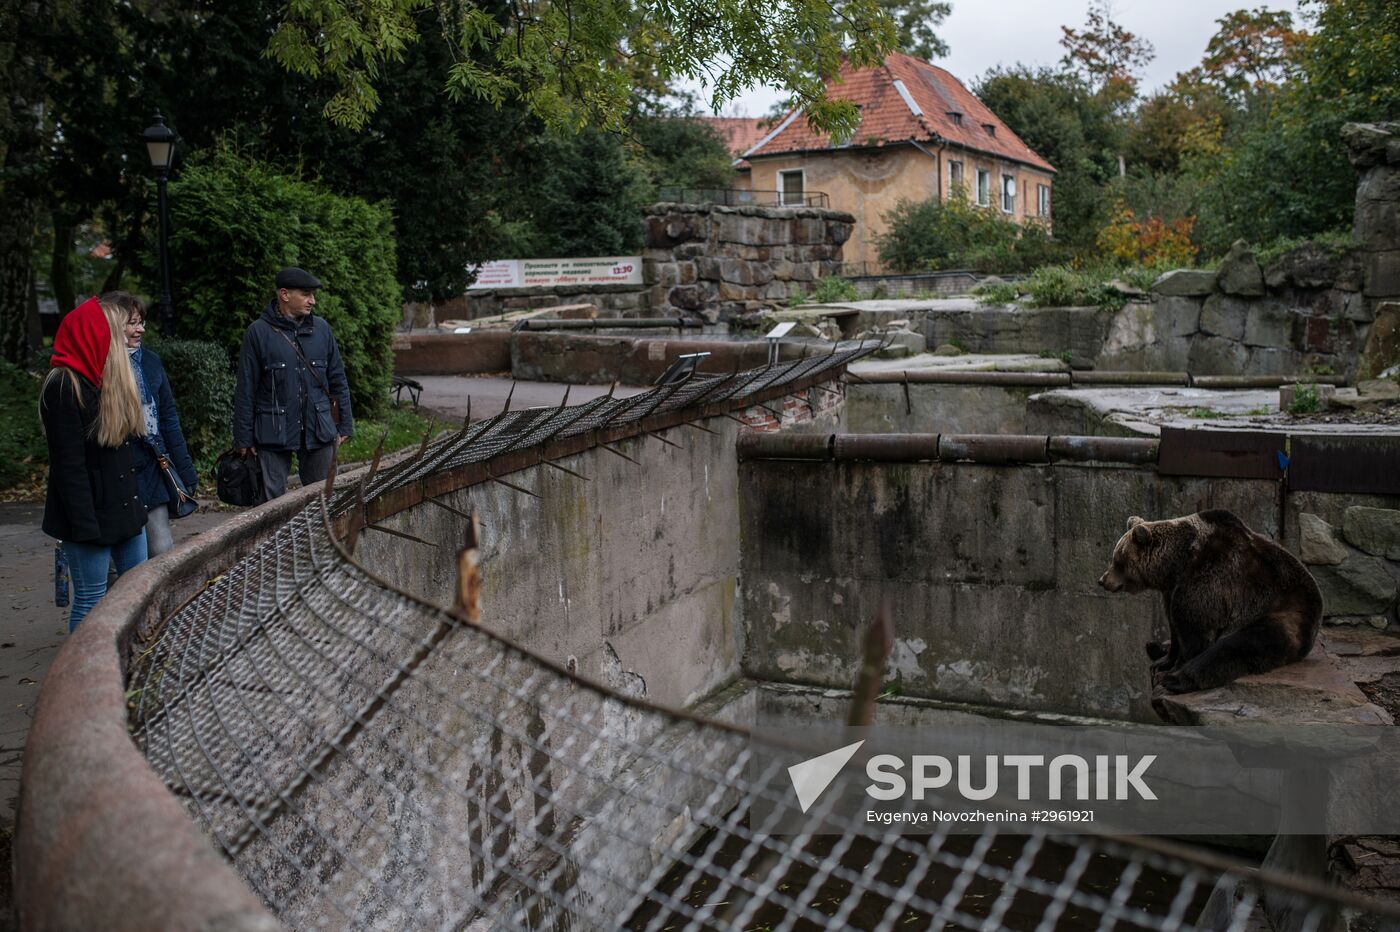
[982, 35]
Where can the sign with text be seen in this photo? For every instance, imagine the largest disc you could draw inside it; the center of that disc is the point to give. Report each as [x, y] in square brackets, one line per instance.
[529, 273]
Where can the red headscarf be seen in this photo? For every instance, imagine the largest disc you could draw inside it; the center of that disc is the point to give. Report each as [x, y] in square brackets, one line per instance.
[82, 342]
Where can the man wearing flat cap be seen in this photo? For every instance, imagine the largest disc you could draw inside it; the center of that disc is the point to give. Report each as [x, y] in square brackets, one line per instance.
[292, 396]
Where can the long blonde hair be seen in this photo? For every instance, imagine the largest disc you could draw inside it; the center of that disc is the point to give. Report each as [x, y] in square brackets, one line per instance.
[119, 413]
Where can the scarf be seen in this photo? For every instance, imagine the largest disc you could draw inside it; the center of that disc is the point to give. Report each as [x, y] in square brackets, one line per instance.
[83, 340]
[148, 401]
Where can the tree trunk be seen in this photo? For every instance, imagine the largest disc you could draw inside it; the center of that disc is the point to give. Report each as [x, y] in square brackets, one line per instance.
[61, 265]
[16, 281]
[21, 204]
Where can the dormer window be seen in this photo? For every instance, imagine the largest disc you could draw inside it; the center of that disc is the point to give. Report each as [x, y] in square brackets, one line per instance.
[990, 128]
[955, 117]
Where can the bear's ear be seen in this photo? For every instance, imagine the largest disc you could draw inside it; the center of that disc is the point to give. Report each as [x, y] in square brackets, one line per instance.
[1134, 521]
[1141, 536]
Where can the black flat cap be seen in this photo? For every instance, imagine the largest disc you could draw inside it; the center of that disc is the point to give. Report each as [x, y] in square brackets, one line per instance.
[293, 277]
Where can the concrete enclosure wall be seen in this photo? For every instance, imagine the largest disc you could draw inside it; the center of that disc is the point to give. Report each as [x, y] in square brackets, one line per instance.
[628, 577]
[992, 573]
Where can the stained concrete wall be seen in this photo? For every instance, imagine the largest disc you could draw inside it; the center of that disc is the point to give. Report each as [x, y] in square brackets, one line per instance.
[992, 573]
[630, 576]
[939, 408]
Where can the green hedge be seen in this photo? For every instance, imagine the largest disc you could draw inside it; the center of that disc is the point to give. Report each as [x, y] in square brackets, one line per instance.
[23, 450]
[957, 234]
[202, 380]
[235, 221]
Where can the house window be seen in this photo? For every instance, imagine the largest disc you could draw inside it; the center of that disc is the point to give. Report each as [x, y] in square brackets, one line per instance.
[955, 177]
[984, 187]
[790, 188]
[1042, 200]
[991, 128]
[1008, 194]
[955, 117]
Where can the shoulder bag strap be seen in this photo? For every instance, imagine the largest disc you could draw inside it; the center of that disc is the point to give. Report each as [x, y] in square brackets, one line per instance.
[296, 348]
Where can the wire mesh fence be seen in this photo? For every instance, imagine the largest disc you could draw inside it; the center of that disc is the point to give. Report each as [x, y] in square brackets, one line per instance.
[369, 761]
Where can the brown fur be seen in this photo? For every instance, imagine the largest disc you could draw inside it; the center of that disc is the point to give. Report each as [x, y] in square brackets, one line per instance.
[1236, 602]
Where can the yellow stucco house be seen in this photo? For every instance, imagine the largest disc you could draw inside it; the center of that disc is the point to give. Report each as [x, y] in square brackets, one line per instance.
[921, 135]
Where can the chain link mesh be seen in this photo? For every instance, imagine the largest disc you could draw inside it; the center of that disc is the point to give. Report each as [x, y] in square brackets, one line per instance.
[369, 761]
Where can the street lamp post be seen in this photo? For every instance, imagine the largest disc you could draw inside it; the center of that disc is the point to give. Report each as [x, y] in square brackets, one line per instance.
[160, 145]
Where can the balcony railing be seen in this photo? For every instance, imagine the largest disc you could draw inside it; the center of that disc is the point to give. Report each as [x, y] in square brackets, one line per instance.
[742, 197]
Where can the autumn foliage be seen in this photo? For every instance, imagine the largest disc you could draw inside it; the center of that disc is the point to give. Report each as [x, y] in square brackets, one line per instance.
[1153, 242]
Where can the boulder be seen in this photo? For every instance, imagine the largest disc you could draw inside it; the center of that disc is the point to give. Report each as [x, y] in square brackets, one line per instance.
[947, 349]
[1381, 271]
[1382, 389]
[1288, 394]
[1367, 142]
[1186, 283]
[1360, 585]
[1224, 317]
[1374, 530]
[1317, 542]
[1313, 691]
[1268, 323]
[1239, 272]
[1308, 266]
[1176, 316]
[1211, 355]
[1382, 348]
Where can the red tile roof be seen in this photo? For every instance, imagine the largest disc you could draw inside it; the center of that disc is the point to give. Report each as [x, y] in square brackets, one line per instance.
[739, 133]
[886, 116]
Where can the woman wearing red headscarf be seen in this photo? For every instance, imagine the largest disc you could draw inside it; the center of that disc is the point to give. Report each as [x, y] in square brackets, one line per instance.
[91, 409]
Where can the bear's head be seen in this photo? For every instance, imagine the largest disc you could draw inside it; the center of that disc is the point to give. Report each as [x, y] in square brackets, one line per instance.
[1134, 559]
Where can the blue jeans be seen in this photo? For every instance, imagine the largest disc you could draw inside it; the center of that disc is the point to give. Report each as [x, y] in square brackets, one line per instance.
[87, 564]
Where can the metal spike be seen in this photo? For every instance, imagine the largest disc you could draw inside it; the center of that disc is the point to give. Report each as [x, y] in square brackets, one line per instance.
[330, 473]
[512, 485]
[357, 517]
[566, 469]
[509, 395]
[427, 435]
[669, 443]
[698, 426]
[618, 452]
[404, 534]
[452, 508]
[378, 452]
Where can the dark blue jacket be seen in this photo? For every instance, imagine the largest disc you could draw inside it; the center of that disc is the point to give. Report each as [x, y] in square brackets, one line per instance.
[172, 438]
[278, 404]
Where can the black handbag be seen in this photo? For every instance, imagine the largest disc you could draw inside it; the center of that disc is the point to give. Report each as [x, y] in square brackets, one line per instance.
[181, 503]
[239, 478]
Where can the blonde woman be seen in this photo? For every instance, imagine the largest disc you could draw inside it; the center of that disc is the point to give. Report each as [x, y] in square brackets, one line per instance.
[92, 416]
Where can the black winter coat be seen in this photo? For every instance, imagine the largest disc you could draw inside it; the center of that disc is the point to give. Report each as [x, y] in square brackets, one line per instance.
[278, 404]
[172, 438]
[92, 496]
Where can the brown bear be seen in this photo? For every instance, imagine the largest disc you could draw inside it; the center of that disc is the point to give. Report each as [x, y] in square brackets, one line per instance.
[1236, 602]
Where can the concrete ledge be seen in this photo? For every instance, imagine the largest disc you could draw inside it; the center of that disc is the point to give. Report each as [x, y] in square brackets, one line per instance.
[974, 448]
[101, 842]
[452, 353]
[594, 360]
